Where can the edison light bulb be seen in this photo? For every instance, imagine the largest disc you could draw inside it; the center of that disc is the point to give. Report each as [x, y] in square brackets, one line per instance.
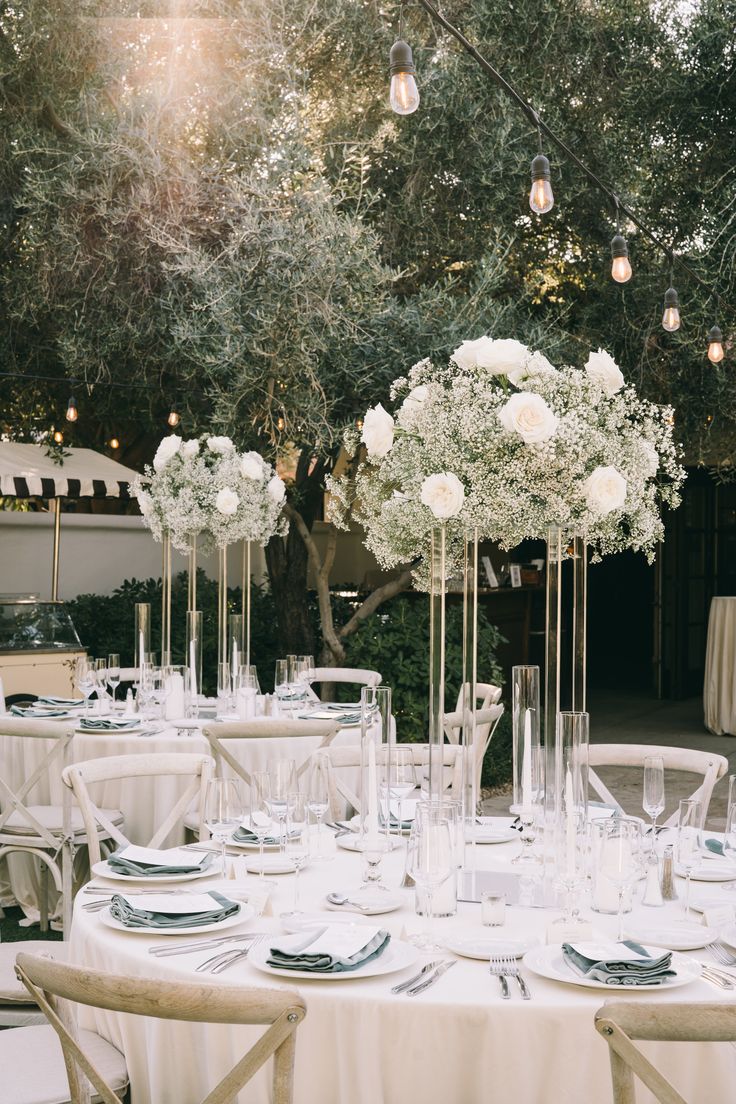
[715, 345]
[671, 316]
[541, 199]
[114, 443]
[71, 411]
[621, 266]
[404, 94]
[58, 437]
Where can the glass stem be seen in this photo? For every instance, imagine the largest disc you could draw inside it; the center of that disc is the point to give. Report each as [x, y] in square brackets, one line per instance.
[296, 887]
[262, 842]
[687, 893]
[224, 858]
[654, 832]
[620, 935]
[430, 915]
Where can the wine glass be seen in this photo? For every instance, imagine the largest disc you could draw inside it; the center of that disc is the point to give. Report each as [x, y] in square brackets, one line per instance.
[84, 679]
[653, 803]
[281, 682]
[401, 781]
[430, 861]
[283, 782]
[318, 801]
[619, 859]
[223, 810]
[223, 689]
[688, 842]
[100, 680]
[297, 840]
[729, 839]
[113, 675]
[261, 822]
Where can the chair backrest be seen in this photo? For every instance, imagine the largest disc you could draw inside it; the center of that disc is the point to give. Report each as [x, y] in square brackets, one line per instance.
[79, 776]
[620, 1022]
[355, 675]
[710, 766]
[486, 721]
[60, 735]
[282, 1010]
[325, 731]
[338, 761]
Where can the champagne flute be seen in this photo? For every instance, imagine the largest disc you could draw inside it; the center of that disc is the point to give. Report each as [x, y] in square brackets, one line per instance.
[261, 822]
[653, 803]
[318, 801]
[688, 842]
[100, 679]
[430, 860]
[619, 859]
[223, 810]
[297, 840]
[113, 675]
[283, 782]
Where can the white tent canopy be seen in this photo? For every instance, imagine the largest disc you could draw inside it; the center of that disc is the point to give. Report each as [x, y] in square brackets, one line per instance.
[27, 471]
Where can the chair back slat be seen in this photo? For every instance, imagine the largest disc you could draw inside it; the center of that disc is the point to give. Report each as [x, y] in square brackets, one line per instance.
[218, 735]
[336, 760]
[60, 736]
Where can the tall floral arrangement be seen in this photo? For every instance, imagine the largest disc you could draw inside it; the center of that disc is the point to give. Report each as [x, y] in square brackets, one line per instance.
[503, 441]
[205, 488]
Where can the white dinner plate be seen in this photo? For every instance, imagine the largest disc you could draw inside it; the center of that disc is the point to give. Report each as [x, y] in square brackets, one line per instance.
[302, 921]
[492, 835]
[484, 947]
[548, 962]
[397, 956]
[699, 903]
[132, 728]
[102, 870]
[672, 937]
[247, 912]
[272, 864]
[728, 935]
[387, 903]
[243, 845]
[710, 872]
[351, 842]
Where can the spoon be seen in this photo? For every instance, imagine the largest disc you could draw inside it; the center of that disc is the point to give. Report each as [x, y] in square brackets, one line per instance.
[341, 899]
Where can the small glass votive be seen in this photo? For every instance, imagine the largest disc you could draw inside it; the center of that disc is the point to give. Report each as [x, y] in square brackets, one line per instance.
[493, 909]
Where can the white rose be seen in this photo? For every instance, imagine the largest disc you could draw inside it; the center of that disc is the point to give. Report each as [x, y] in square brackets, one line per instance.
[444, 494]
[412, 405]
[650, 459]
[220, 445]
[536, 364]
[604, 370]
[501, 357]
[465, 356]
[190, 449]
[276, 488]
[605, 490]
[144, 502]
[168, 448]
[227, 502]
[378, 431]
[251, 465]
[528, 415]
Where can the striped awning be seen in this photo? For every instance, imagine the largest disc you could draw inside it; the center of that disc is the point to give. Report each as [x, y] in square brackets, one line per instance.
[26, 471]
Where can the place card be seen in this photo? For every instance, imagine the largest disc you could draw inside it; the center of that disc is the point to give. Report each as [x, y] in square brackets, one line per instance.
[719, 915]
[580, 931]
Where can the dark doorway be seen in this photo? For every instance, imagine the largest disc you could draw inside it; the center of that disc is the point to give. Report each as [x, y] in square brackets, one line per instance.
[621, 623]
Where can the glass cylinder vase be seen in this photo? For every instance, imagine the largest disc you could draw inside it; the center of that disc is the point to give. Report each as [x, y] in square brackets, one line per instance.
[469, 692]
[166, 601]
[437, 588]
[194, 653]
[192, 575]
[221, 605]
[572, 741]
[245, 599]
[142, 643]
[235, 648]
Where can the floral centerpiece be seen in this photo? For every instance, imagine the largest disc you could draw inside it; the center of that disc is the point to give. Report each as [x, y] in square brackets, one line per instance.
[501, 440]
[205, 488]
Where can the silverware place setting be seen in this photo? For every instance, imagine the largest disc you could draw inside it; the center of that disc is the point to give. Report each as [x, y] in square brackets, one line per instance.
[417, 978]
[206, 944]
[431, 978]
[225, 959]
[504, 967]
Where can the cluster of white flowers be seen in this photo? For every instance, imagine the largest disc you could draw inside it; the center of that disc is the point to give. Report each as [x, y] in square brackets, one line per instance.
[206, 488]
[502, 441]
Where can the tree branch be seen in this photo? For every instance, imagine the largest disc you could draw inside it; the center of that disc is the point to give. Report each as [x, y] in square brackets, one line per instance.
[322, 579]
[375, 599]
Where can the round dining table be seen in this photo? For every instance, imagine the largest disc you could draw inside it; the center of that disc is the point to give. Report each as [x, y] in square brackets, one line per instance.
[459, 1042]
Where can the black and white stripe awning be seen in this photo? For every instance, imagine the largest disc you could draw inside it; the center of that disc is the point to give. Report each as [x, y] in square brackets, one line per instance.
[26, 471]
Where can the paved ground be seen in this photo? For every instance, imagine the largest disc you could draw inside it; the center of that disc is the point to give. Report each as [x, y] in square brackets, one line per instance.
[639, 719]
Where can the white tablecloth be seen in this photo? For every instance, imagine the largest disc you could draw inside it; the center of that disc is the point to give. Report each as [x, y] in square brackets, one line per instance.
[457, 1043]
[719, 687]
[145, 802]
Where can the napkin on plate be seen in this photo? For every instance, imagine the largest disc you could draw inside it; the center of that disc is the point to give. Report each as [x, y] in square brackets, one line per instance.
[108, 724]
[243, 834]
[38, 711]
[50, 699]
[147, 862]
[333, 949]
[342, 717]
[161, 911]
[617, 963]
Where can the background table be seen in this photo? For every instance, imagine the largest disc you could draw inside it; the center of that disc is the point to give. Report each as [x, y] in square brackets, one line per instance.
[719, 686]
[458, 1043]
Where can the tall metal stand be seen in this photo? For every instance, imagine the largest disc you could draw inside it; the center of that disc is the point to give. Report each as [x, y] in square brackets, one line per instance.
[245, 601]
[438, 581]
[469, 693]
[166, 601]
[192, 575]
[221, 605]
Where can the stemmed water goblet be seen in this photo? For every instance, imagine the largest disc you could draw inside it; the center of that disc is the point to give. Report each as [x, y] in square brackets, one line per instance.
[689, 856]
[224, 689]
[223, 810]
[318, 801]
[400, 781]
[297, 840]
[430, 861]
[653, 802]
[100, 681]
[283, 782]
[619, 859]
[261, 821]
[113, 675]
[84, 679]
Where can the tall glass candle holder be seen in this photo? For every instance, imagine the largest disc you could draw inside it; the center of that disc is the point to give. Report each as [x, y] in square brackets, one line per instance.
[194, 654]
[528, 761]
[570, 833]
[375, 726]
[142, 643]
[235, 643]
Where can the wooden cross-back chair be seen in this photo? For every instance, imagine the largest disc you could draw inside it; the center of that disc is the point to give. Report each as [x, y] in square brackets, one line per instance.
[336, 761]
[488, 712]
[358, 676]
[51, 833]
[279, 1011]
[621, 1022]
[218, 735]
[710, 766]
[79, 776]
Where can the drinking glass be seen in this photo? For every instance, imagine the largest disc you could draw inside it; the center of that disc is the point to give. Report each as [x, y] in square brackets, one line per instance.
[113, 675]
[318, 802]
[400, 782]
[430, 860]
[619, 859]
[688, 842]
[84, 679]
[223, 810]
[300, 678]
[281, 681]
[283, 782]
[261, 822]
[729, 839]
[306, 663]
[297, 840]
[100, 679]
[223, 689]
[653, 803]
[246, 692]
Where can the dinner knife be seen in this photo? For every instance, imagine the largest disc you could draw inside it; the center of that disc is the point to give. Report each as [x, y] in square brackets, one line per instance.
[413, 980]
[441, 969]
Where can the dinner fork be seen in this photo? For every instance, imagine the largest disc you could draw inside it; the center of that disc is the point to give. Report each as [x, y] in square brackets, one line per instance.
[497, 967]
[514, 971]
[225, 959]
[202, 944]
[721, 953]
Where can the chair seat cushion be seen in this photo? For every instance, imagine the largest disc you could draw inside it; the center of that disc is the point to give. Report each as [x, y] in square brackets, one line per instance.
[33, 1065]
[11, 990]
[191, 821]
[51, 816]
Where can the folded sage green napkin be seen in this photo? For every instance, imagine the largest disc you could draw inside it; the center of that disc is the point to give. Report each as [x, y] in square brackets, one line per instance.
[132, 862]
[50, 699]
[343, 718]
[38, 711]
[107, 724]
[618, 963]
[171, 913]
[243, 834]
[334, 949]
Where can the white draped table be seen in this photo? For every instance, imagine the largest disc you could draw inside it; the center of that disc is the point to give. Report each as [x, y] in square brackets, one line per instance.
[719, 685]
[144, 802]
[457, 1043]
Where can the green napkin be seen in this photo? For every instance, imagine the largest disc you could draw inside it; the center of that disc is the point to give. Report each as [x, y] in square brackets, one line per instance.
[33, 711]
[244, 835]
[334, 949]
[133, 869]
[133, 917]
[618, 963]
[49, 699]
[107, 724]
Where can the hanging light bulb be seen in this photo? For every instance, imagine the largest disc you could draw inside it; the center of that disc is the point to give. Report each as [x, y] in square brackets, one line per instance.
[58, 437]
[174, 417]
[671, 316]
[71, 410]
[280, 422]
[715, 345]
[541, 199]
[621, 267]
[114, 443]
[404, 94]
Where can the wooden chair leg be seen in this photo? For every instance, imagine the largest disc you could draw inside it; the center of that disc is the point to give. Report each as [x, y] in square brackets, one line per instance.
[43, 903]
[67, 892]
